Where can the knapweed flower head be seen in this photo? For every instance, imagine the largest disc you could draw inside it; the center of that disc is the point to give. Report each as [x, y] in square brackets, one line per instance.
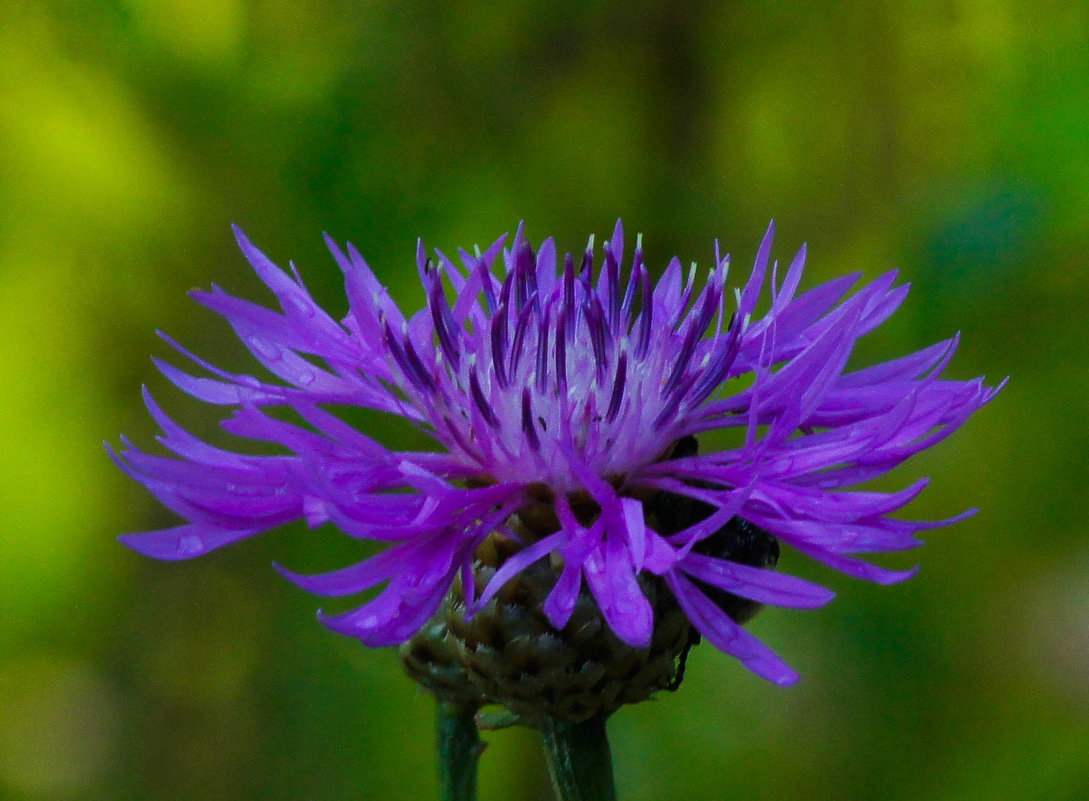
[565, 400]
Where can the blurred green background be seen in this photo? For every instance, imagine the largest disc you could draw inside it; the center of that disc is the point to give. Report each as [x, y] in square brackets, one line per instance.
[947, 139]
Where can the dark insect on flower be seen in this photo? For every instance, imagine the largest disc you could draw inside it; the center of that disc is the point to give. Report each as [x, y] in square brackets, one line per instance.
[555, 396]
[741, 542]
[738, 541]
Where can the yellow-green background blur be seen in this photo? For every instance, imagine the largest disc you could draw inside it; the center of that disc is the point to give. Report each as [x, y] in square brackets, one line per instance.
[947, 139]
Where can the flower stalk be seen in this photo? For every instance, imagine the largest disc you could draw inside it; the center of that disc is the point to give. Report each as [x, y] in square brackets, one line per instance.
[459, 749]
[580, 763]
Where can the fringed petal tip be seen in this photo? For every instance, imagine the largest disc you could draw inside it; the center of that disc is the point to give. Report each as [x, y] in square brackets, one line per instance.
[297, 579]
[783, 677]
[244, 243]
[887, 577]
[370, 631]
[337, 623]
[990, 394]
[182, 542]
[155, 547]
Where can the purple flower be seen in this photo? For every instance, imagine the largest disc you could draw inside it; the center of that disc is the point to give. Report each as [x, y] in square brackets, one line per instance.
[558, 387]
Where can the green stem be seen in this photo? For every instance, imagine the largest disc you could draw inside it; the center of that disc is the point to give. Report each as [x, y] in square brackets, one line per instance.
[579, 760]
[459, 749]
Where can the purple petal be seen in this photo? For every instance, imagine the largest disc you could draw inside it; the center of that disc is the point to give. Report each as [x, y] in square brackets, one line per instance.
[560, 602]
[757, 584]
[611, 578]
[184, 542]
[727, 636]
[519, 562]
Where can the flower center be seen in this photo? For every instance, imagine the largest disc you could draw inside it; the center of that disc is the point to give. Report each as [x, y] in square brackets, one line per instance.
[555, 374]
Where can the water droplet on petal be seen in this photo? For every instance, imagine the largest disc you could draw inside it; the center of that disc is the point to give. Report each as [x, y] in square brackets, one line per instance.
[264, 348]
[302, 306]
[190, 545]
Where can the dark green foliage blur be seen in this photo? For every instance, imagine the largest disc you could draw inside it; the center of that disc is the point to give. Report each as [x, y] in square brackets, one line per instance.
[949, 139]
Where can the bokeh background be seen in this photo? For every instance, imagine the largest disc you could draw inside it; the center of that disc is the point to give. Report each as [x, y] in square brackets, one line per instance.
[947, 139]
